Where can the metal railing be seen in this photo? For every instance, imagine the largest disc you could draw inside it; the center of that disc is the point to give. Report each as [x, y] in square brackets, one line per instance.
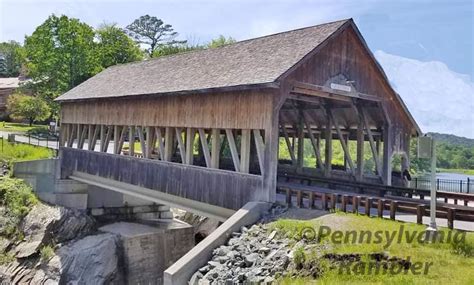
[448, 185]
[47, 142]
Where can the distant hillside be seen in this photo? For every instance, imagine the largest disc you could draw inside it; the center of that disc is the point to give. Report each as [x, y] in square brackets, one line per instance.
[453, 140]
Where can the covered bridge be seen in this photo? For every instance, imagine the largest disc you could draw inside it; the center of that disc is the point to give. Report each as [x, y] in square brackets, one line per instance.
[215, 126]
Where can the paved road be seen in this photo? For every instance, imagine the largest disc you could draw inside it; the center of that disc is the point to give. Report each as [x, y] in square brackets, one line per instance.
[461, 225]
[46, 143]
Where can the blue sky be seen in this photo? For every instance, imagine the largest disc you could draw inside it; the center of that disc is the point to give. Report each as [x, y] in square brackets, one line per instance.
[423, 30]
[426, 47]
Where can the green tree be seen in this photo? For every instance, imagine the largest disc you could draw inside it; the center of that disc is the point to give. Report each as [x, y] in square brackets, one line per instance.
[174, 49]
[26, 107]
[115, 47]
[11, 58]
[153, 32]
[3, 66]
[61, 54]
[221, 41]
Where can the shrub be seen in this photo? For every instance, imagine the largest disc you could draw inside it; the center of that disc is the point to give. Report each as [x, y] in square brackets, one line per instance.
[463, 248]
[46, 252]
[16, 196]
[299, 257]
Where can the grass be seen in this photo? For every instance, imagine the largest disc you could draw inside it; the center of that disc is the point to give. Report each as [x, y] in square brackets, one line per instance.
[22, 152]
[460, 171]
[452, 263]
[19, 127]
[46, 252]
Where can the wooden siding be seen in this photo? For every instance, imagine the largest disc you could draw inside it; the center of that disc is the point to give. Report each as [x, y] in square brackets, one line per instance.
[216, 187]
[346, 55]
[233, 110]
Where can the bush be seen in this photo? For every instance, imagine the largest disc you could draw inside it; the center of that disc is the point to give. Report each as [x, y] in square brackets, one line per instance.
[16, 196]
[299, 257]
[46, 252]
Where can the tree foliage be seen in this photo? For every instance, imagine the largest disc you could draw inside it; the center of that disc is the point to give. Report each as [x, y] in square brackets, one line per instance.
[26, 107]
[11, 58]
[61, 54]
[151, 31]
[115, 46]
[220, 41]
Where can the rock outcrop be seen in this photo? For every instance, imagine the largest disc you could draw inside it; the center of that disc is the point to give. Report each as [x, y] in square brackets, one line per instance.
[46, 225]
[91, 260]
[76, 256]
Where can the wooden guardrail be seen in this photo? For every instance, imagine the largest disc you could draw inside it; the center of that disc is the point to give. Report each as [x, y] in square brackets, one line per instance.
[333, 201]
[379, 189]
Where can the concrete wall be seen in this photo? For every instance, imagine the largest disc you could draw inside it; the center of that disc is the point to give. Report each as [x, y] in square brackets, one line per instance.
[181, 271]
[40, 174]
[149, 249]
[43, 176]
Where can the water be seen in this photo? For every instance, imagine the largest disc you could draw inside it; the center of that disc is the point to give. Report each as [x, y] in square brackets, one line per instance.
[454, 176]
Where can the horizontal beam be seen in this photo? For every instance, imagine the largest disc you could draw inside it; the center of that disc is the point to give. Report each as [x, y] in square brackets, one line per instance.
[200, 208]
[328, 93]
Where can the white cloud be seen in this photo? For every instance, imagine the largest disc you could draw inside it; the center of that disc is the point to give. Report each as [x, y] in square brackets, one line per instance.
[440, 99]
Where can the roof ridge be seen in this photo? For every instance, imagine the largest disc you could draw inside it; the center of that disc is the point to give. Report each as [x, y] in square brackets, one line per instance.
[225, 46]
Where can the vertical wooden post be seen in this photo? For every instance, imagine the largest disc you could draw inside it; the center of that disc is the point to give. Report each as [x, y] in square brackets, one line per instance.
[420, 212]
[311, 199]
[90, 136]
[393, 209]
[149, 142]
[345, 139]
[355, 204]
[324, 200]
[387, 154]
[116, 138]
[380, 208]
[62, 135]
[288, 197]
[299, 198]
[300, 151]
[328, 149]
[245, 151]
[360, 150]
[190, 136]
[78, 135]
[333, 201]
[378, 144]
[451, 216]
[102, 137]
[344, 203]
[131, 141]
[168, 144]
[368, 205]
[215, 148]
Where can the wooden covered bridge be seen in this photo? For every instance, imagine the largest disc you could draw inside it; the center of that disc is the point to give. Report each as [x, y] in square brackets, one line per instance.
[210, 127]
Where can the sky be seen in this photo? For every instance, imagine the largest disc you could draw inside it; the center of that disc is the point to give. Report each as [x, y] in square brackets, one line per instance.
[439, 32]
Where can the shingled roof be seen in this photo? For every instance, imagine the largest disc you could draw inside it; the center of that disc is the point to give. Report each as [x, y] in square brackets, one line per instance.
[251, 62]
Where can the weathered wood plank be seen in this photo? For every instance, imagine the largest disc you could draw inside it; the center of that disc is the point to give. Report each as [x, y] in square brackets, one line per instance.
[260, 147]
[205, 147]
[222, 188]
[233, 149]
[245, 151]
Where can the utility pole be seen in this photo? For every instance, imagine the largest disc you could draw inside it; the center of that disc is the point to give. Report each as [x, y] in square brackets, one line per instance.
[426, 150]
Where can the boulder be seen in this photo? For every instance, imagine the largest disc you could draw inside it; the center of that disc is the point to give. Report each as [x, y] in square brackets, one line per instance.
[45, 224]
[91, 260]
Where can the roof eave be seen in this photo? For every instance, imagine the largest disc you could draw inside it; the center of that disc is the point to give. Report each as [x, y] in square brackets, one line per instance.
[265, 85]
